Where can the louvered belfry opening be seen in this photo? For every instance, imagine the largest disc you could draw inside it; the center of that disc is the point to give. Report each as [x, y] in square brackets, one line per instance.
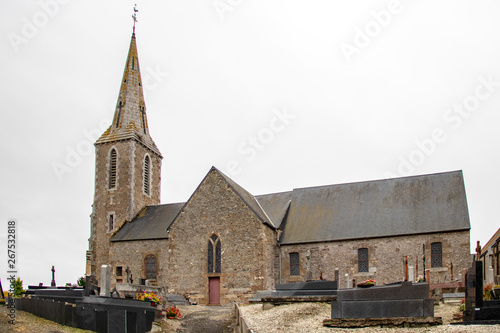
[147, 171]
[112, 169]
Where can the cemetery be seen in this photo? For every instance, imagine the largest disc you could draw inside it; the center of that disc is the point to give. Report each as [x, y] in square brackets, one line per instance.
[365, 304]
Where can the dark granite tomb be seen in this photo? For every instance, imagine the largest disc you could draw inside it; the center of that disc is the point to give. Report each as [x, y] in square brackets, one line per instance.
[477, 309]
[390, 301]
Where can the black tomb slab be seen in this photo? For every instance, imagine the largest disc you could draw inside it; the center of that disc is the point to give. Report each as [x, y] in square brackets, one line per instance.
[390, 301]
[310, 288]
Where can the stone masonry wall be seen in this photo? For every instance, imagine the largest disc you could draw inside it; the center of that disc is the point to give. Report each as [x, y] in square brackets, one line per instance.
[132, 254]
[126, 200]
[247, 245]
[386, 258]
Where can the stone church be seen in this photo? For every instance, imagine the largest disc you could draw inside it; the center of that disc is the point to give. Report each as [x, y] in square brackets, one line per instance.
[224, 244]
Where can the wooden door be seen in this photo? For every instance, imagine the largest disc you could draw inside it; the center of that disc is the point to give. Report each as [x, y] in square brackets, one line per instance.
[214, 290]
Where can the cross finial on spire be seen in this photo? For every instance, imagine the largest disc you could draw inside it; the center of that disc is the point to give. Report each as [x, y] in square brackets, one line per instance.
[135, 16]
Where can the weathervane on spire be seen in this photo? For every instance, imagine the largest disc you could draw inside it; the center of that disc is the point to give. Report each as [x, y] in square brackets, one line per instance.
[135, 16]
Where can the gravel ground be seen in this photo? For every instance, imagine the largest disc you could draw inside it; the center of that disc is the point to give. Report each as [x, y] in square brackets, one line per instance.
[308, 317]
[200, 319]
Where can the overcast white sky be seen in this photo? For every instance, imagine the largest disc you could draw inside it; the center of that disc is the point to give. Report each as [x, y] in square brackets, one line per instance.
[278, 94]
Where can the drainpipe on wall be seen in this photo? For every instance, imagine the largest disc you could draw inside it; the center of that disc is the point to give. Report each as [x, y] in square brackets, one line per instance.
[278, 235]
[279, 248]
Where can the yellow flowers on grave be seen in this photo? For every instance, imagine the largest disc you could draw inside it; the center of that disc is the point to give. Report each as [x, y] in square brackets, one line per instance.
[148, 297]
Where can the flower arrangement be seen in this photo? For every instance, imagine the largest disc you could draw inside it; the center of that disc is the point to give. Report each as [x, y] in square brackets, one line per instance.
[420, 279]
[366, 284]
[462, 305]
[148, 297]
[173, 312]
[487, 294]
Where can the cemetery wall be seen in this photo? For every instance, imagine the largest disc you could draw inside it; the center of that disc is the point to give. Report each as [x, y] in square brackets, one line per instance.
[386, 258]
[248, 246]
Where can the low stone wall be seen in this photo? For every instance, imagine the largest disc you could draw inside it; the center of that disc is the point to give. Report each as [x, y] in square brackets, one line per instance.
[242, 326]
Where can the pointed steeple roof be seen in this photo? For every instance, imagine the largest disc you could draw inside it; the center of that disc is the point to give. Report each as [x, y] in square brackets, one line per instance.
[130, 121]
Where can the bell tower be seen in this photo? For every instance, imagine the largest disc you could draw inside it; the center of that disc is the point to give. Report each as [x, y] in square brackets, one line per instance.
[128, 166]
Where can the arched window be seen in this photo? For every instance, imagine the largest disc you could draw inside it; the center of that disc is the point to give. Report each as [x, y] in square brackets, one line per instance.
[363, 260]
[214, 255]
[150, 263]
[146, 177]
[437, 254]
[112, 169]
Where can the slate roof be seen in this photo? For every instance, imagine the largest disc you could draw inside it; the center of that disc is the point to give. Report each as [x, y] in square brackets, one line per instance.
[151, 223]
[390, 207]
[275, 205]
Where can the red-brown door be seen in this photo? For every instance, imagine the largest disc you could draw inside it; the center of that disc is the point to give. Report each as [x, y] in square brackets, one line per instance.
[214, 290]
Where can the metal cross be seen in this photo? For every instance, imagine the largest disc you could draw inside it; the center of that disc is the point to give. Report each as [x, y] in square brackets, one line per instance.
[135, 16]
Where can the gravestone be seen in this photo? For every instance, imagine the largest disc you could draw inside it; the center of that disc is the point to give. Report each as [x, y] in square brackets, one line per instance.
[489, 273]
[105, 280]
[337, 275]
[411, 273]
[477, 309]
[91, 286]
[308, 266]
[129, 274]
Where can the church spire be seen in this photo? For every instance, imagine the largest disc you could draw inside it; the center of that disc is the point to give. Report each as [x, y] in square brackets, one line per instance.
[130, 120]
